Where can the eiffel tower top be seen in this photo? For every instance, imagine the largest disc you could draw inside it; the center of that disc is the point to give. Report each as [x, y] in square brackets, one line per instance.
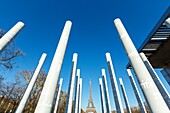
[90, 90]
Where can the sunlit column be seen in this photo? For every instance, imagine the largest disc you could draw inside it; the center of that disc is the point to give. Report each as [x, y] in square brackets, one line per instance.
[106, 92]
[116, 93]
[58, 95]
[137, 94]
[47, 95]
[152, 93]
[5, 40]
[76, 99]
[71, 85]
[156, 79]
[80, 95]
[30, 85]
[125, 96]
[102, 96]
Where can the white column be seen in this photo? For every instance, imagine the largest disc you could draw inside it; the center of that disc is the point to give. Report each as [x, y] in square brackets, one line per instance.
[47, 95]
[102, 96]
[152, 93]
[156, 79]
[31, 84]
[125, 96]
[116, 93]
[107, 98]
[5, 40]
[71, 85]
[167, 22]
[58, 95]
[76, 99]
[80, 95]
[137, 94]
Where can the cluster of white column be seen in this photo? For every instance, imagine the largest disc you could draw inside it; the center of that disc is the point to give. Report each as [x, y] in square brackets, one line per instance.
[155, 93]
[143, 73]
[48, 92]
[153, 89]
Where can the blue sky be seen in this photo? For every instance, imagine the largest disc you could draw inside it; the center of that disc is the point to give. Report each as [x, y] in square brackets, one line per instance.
[92, 35]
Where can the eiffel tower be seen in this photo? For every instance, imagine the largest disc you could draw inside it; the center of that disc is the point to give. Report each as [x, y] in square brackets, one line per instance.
[90, 101]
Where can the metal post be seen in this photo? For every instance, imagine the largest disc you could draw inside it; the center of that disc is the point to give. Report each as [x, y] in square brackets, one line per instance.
[106, 92]
[30, 85]
[5, 40]
[125, 96]
[139, 99]
[116, 93]
[77, 92]
[156, 79]
[47, 95]
[71, 85]
[152, 93]
[58, 95]
[102, 96]
[80, 95]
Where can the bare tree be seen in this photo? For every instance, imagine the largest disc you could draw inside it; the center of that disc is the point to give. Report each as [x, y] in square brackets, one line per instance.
[7, 57]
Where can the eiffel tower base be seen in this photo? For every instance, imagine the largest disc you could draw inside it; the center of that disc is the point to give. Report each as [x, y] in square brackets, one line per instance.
[91, 109]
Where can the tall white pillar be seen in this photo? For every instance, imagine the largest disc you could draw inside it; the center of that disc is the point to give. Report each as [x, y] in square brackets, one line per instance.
[71, 85]
[47, 95]
[102, 96]
[58, 95]
[156, 79]
[152, 93]
[80, 95]
[5, 40]
[137, 94]
[30, 85]
[125, 96]
[116, 93]
[106, 92]
[76, 99]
